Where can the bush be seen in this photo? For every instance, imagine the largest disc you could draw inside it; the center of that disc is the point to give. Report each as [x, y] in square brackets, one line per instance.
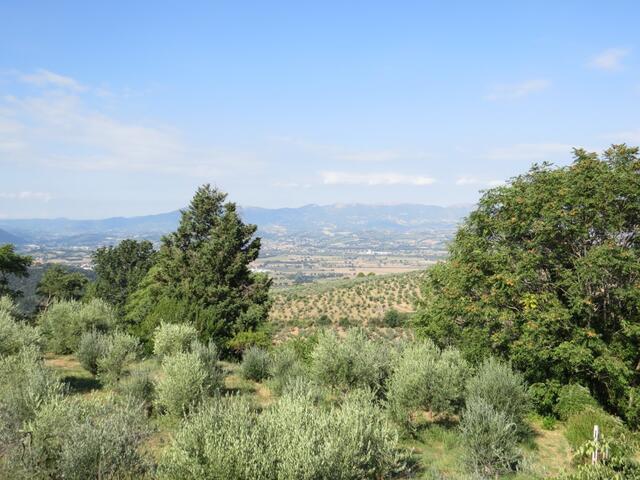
[172, 338]
[25, 384]
[209, 356]
[292, 439]
[352, 362]
[393, 318]
[92, 347]
[63, 323]
[286, 367]
[8, 306]
[505, 390]
[255, 364]
[249, 338]
[425, 378]
[121, 350]
[138, 386]
[573, 399]
[15, 335]
[185, 382]
[489, 438]
[73, 438]
[580, 426]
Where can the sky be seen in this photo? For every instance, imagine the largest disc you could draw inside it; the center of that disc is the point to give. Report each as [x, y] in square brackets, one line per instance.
[125, 108]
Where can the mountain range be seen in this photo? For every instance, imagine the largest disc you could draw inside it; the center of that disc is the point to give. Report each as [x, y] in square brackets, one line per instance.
[278, 221]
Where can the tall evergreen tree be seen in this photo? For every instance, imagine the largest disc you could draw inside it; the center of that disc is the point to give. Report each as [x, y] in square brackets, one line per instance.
[58, 283]
[202, 275]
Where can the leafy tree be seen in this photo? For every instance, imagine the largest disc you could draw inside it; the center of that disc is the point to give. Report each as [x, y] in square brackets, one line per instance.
[58, 283]
[14, 264]
[120, 269]
[545, 272]
[202, 274]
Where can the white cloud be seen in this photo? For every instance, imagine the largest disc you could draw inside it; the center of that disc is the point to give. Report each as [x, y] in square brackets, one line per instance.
[372, 179]
[464, 181]
[69, 129]
[517, 90]
[35, 196]
[534, 152]
[45, 78]
[610, 59]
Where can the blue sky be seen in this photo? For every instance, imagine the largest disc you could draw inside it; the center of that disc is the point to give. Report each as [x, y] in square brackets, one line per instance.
[124, 108]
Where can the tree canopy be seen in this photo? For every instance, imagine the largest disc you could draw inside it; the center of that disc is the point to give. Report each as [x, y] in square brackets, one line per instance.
[202, 274]
[59, 283]
[546, 272]
[120, 269]
[12, 263]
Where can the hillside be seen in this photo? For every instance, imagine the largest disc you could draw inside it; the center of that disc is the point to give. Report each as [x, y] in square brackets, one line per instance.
[6, 237]
[361, 300]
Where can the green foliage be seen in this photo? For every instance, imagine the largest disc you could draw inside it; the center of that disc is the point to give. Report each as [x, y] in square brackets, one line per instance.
[204, 265]
[393, 318]
[185, 382]
[549, 423]
[74, 438]
[58, 283]
[352, 362]
[544, 273]
[120, 269]
[14, 334]
[292, 439]
[500, 387]
[172, 338]
[573, 398]
[256, 363]
[425, 378]
[25, 384]
[63, 323]
[580, 426]
[92, 347]
[490, 439]
[286, 367]
[121, 350]
[12, 264]
[629, 471]
[138, 386]
[241, 341]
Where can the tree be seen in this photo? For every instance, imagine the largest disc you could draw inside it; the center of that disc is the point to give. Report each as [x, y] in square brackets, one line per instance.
[120, 269]
[546, 272]
[14, 264]
[59, 283]
[202, 275]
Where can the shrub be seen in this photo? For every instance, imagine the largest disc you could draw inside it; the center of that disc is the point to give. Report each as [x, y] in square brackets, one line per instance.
[64, 322]
[292, 439]
[249, 338]
[489, 438]
[209, 356]
[393, 318]
[73, 438]
[172, 338]
[138, 386]
[92, 347]
[580, 426]
[15, 335]
[7, 305]
[255, 364]
[352, 362]
[549, 423]
[573, 399]
[428, 379]
[25, 384]
[121, 350]
[505, 390]
[285, 368]
[183, 385]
